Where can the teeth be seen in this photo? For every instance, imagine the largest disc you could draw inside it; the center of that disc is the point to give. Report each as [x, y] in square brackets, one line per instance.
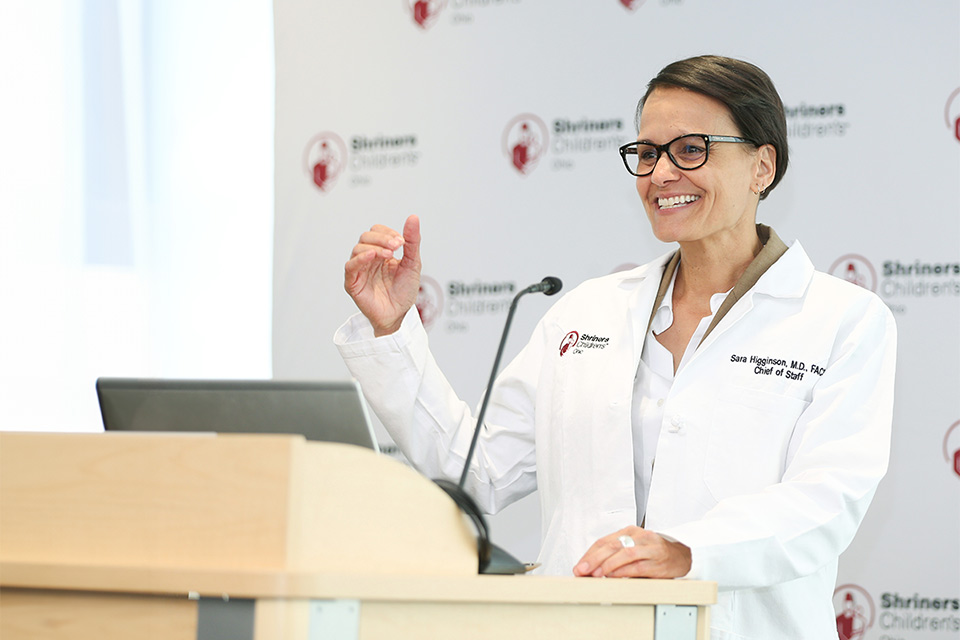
[676, 201]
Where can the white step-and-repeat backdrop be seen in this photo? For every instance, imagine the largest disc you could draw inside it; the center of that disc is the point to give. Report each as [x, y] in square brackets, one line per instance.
[498, 122]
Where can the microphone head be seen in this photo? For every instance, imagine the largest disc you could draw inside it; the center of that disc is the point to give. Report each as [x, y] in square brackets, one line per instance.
[551, 285]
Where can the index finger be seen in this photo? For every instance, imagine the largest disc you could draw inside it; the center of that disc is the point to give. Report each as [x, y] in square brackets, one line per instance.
[381, 236]
[598, 553]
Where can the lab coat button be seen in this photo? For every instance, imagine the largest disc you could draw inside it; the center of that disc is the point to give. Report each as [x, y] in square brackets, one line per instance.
[660, 402]
[676, 424]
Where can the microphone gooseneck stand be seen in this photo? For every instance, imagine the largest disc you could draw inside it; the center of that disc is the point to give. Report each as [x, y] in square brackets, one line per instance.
[492, 559]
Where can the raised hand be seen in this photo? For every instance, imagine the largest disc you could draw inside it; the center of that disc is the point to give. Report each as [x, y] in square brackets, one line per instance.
[383, 287]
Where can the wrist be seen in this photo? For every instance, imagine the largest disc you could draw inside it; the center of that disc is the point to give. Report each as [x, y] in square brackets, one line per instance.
[683, 558]
[379, 332]
[386, 329]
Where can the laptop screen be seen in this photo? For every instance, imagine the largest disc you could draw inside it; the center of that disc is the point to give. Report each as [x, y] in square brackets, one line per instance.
[321, 411]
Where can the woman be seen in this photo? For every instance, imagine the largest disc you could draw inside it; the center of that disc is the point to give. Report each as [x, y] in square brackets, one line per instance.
[736, 424]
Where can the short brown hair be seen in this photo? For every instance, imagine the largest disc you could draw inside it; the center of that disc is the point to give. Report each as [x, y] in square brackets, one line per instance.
[745, 89]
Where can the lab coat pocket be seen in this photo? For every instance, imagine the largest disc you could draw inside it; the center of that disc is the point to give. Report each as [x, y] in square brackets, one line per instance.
[748, 440]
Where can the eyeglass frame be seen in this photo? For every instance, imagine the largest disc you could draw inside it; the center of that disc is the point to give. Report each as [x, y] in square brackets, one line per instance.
[661, 148]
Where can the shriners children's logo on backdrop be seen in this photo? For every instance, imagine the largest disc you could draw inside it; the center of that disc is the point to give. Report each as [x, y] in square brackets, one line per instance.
[525, 141]
[429, 301]
[856, 269]
[951, 446]
[425, 12]
[855, 611]
[324, 159]
[633, 5]
[951, 113]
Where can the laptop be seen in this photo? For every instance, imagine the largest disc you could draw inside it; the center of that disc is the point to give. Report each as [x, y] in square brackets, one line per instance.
[321, 411]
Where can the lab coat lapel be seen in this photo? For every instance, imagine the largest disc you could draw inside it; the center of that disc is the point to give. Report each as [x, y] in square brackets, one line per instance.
[612, 500]
[646, 283]
[782, 273]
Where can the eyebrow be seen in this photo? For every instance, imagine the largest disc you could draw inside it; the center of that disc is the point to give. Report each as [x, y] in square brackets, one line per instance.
[649, 141]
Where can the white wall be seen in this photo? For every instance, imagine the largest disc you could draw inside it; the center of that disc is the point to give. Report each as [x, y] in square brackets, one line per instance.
[136, 235]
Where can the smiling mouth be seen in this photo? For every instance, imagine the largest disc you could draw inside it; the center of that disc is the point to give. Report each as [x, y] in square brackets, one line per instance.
[676, 201]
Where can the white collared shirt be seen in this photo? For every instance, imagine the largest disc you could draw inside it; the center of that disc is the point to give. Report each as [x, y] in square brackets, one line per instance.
[652, 386]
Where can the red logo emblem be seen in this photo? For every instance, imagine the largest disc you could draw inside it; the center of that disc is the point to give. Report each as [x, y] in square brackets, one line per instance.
[856, 269]
[569, 341]
[951, 446]
[951, 113]
[325, 158]
[525, 140]
[854, 609]
[633, 5]
[425, 12]
[429, 301]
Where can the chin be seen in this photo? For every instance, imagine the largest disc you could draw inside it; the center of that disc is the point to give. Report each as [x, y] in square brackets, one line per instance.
[667, 232]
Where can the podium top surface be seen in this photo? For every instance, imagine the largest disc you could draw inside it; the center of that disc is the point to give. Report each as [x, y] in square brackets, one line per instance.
[524, 589]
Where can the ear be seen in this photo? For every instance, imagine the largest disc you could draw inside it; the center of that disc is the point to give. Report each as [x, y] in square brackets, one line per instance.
[766, 167]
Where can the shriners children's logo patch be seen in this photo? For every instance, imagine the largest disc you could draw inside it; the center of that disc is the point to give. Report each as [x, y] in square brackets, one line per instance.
[569, 340]
[575, 342]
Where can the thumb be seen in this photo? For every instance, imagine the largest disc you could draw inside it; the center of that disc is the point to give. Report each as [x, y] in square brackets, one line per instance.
[411, 242]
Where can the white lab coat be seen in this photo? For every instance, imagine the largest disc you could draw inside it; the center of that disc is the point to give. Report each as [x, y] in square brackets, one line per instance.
[764, 473]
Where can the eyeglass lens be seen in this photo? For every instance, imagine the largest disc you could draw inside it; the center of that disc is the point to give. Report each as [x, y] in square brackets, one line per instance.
[688, 152]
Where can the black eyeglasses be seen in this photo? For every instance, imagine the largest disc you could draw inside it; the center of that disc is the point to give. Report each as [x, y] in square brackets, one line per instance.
[686, 152]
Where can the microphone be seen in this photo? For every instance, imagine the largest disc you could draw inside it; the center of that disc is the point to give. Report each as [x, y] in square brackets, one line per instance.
[492, 559]
[548, 286]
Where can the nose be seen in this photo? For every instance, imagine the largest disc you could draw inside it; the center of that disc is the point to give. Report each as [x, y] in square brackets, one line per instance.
[664, 171]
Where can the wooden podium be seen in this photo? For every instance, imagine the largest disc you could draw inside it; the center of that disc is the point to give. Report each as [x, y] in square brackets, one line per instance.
[207, 536]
